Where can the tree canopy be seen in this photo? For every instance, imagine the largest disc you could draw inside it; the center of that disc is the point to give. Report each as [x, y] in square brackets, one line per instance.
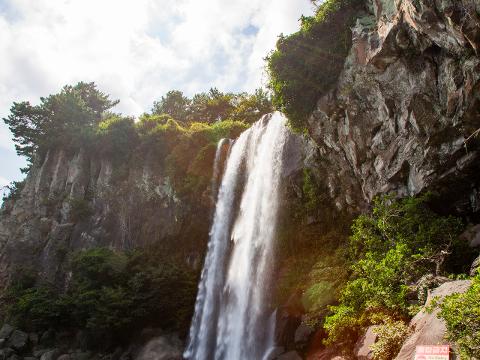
[59, 119]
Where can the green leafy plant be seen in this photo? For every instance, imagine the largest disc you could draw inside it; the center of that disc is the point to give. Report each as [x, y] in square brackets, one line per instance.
[390, 248]
[461, 313]
[81, 209]
[307, 63]
[111, 294]
[390, 337]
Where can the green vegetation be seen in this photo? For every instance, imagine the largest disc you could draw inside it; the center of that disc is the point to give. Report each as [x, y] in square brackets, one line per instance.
[13, 190]
[307, 63]
[110, 295]
[391, 249]
[63, 119]
[390, 337]
[80, 209]
[180, 132]
[461, 313]
[214, 106]
[186, 150]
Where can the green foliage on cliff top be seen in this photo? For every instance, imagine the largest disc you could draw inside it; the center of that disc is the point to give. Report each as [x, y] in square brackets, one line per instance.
[390, 249]
[461, 313]
[61, 119]
[214, 105]
[110, 295]
[179, 134]
[79, 116]
[307, 63]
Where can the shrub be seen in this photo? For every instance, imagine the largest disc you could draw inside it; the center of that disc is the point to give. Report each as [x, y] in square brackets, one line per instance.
[306, 64]
[390, 249]
[80, 209]
[110, 295]
[13, 190]
[390, 337]
[116, 137]
[461, 313]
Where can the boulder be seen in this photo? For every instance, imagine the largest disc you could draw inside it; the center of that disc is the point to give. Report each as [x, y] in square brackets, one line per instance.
[362, 348]
[18, 340]
[6, 353]
[64, 357]
[472, 235]
[427, 328]
[419, 291]
[302, 334]
[329, 353]
[39, 352]
[6, 331]
[48, 338]
[162, 348]
[50, 355]
[475, 266]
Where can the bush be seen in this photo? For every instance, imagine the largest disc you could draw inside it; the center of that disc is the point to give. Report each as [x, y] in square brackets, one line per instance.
[13, 190]
[80, 209]
[390, 249]
[390, 337]
[461, 313]
[110, 295]
[116, 137]
[307, 63]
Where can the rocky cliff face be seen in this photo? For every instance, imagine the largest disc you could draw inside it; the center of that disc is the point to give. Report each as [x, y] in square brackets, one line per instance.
[405, 106]
[73, 201]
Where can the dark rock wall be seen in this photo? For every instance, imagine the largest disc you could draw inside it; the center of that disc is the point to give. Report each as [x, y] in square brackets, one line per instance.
[404, 106]
[72, 201]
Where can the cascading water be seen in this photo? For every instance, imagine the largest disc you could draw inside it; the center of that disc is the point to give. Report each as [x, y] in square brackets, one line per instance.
[231, 319]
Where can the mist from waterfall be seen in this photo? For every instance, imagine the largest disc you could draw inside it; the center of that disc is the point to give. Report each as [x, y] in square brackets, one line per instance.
[232, 319]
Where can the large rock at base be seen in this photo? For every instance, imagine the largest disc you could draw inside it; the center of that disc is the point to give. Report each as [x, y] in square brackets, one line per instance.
[302, 334]
[18, 340]
[362, 347]
[6, 331]
[475, 266]
[326, 354]
[50, 355]
[161, 348]
[427, 328]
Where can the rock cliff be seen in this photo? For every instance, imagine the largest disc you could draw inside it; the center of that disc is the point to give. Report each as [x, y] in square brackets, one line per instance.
[403, 112]
[76, 200]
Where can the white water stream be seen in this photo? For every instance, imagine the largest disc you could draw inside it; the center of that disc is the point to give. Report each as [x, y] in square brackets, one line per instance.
[231, 320]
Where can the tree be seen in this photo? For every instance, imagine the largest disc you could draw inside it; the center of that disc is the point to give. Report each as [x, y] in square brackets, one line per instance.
[60, 119]
[175, 104]
[212, 106]
[250, 107]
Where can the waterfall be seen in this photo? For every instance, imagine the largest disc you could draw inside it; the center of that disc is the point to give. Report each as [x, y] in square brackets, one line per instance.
[231, 319]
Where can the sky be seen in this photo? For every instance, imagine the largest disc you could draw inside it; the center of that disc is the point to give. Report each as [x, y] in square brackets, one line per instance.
[135, 50]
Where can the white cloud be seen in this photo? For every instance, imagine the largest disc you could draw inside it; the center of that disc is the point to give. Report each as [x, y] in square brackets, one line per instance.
[137, 50]
[3, 182]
